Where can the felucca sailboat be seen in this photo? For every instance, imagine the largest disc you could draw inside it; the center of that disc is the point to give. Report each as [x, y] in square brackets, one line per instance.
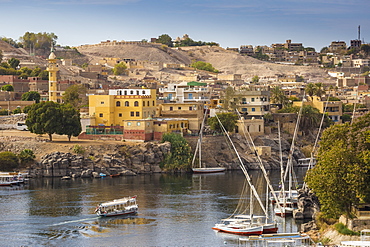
[200, 168]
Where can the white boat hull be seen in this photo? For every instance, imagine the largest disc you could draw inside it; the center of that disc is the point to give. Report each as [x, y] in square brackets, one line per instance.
[132, 210]
[209, 170]
[247, 230]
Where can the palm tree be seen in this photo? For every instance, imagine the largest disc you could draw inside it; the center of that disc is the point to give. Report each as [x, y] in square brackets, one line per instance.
[278, 97]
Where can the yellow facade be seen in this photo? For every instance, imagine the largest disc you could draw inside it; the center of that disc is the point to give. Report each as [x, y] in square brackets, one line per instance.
[53, 72]
[333, 108]
[122, 104]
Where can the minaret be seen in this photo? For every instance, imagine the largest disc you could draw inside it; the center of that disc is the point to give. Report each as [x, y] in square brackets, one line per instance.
[53, 71]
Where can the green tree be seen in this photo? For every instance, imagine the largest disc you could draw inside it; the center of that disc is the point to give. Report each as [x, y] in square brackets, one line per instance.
[278, 97]
[255, 79]
[7, 88]
[119, 69]
[310, 89]
[204, 66]
[165, 39]
[44, 118]
[75, 95]
[341, 177]
[70, 122]
[26, 156]
[365, 48]
[8, 161]
[310, 117]
[31, 96]
[180, 155]
[13, 62]
[229, 99]
[228, 120]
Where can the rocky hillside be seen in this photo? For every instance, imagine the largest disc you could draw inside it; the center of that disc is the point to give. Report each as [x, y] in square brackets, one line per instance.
[228, 62]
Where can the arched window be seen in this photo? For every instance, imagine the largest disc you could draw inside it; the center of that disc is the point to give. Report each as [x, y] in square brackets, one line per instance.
[125, 92]
[143, 103]
[136, 103]
[143, 92]
[127, 103]
[118, 103]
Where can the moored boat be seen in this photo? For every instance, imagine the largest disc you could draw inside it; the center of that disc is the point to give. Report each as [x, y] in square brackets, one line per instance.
[209, 169]
[123, 206]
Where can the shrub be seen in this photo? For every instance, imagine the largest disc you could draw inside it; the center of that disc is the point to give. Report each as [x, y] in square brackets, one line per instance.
[342, 229]
[78, 149]
[8, 161]
[26, 156]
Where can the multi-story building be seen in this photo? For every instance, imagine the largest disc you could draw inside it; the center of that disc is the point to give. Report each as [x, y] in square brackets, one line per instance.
[252, 103]
[337, 45]
[122, 104]
[246, 50]
[193, 112]
[333, 108]
[185, 92]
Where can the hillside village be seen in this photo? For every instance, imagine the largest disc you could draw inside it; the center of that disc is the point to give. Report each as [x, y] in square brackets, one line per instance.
[161, 92]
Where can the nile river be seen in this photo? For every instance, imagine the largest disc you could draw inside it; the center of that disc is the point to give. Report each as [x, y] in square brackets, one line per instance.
[174, 210]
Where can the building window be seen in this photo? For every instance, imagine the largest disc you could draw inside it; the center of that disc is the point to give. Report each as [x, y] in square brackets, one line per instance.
[125, 92]
[170, 96]
[143, 103]
[190, 96]
[118, 103]
[100, 114]
[132, 114]
[182, 125]
[119, 114]
[252, 99]
[102, 102]
[131, 92]
[190, 108]
[179, 108]
[143, 92]
[138, 123]
[144, 114]
[138, 114]
[137, 92]
[127, 103]
[153, 103]
[244, 109]
[136, 103]
[171, 108]
[253, 109]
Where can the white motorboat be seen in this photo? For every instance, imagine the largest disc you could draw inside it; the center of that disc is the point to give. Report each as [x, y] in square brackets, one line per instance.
[123, 206]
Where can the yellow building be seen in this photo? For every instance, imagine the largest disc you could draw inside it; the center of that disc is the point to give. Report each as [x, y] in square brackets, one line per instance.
[122, 104]
[194, 112]
[333, 108]
[53, 77]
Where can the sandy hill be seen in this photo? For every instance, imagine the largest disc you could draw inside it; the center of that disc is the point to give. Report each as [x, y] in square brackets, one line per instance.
[225, 61]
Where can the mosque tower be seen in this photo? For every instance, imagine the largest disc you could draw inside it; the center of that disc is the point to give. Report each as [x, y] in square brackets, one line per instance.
[53, 75]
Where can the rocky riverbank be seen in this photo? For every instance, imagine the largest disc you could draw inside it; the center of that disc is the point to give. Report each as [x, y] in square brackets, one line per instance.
[59, 158]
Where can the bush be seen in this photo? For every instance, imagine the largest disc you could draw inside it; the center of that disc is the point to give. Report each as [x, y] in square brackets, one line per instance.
[26, 156]
[8, 161]
[342, 229]
[78, 149]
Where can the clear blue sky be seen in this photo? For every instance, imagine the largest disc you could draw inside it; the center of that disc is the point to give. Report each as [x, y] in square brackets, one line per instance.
[232, 23]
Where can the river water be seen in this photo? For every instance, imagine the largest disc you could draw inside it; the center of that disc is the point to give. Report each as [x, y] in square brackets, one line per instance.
[174, 210]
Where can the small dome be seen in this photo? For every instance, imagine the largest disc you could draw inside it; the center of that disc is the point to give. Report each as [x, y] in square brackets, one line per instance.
[52, 55]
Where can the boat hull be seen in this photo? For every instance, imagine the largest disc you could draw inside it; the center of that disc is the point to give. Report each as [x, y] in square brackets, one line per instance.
[240, 231]
[209, 170]
[118, 213]
[270, 228]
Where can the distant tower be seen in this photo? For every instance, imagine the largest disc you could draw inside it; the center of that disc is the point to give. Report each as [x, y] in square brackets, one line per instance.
[359, 32]
[53, 72]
